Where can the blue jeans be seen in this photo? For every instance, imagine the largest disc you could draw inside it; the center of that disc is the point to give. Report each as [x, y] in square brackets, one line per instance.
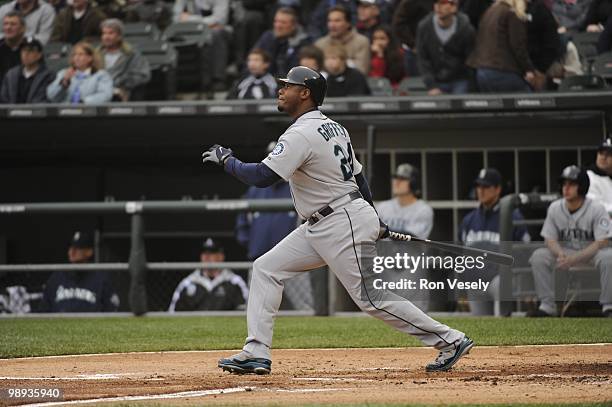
[458, 87]
[493, 80]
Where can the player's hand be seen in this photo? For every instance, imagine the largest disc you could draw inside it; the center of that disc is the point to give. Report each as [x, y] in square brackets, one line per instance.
[383, 231]
[564, 261]
[217, 154]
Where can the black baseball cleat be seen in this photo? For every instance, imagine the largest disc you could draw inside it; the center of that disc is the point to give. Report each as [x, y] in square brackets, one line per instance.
[447, 358]
[240, 364]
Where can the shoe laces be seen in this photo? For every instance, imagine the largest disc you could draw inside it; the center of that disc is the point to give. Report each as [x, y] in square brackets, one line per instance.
[444, 355]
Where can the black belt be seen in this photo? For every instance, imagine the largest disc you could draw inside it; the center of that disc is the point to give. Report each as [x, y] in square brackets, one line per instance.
[328, 210]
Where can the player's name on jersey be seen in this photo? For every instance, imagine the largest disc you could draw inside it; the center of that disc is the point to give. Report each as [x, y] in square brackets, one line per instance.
[406, 284]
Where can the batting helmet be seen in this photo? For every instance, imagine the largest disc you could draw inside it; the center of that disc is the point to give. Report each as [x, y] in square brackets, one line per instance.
[575, 174]
[301, 75]
[410, 173]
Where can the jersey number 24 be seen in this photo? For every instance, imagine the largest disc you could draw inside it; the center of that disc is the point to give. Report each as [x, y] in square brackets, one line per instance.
[346, 163]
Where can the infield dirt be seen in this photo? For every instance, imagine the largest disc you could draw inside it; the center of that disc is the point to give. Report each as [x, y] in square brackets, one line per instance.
[526, 374]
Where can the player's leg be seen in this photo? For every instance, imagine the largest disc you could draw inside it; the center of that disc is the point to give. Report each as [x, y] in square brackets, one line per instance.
[337, 240]
[603, 262]
[542, 264]
[288, 258]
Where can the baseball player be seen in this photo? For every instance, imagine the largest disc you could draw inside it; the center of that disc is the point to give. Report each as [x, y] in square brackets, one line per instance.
[600, 176]
[576, 231]
[330, 193]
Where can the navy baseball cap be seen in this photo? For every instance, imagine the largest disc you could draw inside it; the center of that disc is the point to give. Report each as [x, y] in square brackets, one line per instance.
[605, 145]
[488, 177]
[210, 246]
[82, 240]
[31, 43]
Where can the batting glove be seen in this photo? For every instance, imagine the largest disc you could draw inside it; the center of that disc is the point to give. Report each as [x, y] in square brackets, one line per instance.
[217, 154]
[383, 232]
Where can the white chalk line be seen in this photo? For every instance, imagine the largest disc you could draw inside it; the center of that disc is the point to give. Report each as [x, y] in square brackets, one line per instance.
[332, 379]
[98, 376]
[421, 348]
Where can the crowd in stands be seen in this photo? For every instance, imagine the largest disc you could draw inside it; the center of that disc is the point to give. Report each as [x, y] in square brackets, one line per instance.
[452, 46]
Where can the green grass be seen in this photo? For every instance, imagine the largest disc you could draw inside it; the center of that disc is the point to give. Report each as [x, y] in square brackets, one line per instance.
[60, 336]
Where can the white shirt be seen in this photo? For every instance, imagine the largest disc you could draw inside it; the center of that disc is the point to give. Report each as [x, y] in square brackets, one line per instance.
[600, 189]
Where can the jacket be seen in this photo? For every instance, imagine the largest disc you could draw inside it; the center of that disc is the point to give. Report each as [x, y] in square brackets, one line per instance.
[39, 22]
[349, 83]
[38, 91]
[543, 41]
[94, 89]
[91, 24]
[407, 17]
[357, 48]
[130, 70]
[501, 42]
[441, 63]
[69, 291]
[283, 51]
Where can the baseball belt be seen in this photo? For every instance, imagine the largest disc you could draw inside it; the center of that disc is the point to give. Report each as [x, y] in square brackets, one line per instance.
[329, 209]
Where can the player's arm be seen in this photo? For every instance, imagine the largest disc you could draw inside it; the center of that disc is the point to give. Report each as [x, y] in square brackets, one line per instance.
[255, 174]
[364, 188]
[586, 254]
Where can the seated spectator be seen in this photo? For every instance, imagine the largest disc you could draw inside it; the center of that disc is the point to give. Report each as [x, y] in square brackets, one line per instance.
[543, 43]
[576, 232]
[13, 29]
[342, 34]
[571, 14]
[387, 56]
[600, 176]
[319, 18]
[78, 22]
[27, 83]
[215, 14]
[311, 57]
[128, 68]
[84, 82]
[604, 42]
[503, 69]
[149, 11]
[480, 228]
[258, 84]
[406, 19]
[341, 79]
[368, 17]
[38, 15]
[80, 291]
[597, 15]
[284, 41]
[210, 289]
[445, 39]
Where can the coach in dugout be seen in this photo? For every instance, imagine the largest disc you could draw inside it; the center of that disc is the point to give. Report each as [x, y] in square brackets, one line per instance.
[210, 289]
[600, 176]
[480, 228]
[80, 291]
[576, 231]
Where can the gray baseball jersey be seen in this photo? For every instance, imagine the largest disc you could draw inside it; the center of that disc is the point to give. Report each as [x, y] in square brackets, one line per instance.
[590, 222]
[316, 157]
[416, 219]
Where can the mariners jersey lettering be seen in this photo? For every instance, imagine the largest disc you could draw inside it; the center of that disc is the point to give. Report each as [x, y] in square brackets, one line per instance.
[590, 222]
[316, 156]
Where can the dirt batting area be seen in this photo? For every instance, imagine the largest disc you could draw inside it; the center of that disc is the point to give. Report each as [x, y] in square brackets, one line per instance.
[534, 374]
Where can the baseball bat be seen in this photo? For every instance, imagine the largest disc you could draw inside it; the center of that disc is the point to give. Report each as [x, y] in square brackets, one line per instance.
[495, 257]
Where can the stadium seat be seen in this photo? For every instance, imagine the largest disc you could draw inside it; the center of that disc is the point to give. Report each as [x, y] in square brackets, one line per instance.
[380, 86]
[191, 40]
[603, 65]
[163, 60]
[133, 31]
[582, 82]
[56, 55]
[412, 86]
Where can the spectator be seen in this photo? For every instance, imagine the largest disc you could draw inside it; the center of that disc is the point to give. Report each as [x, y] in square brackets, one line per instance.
[576, 232]
[342, 34]
[78, 22]
[79, 291]
[597, 15]
[149, 11]
[341, 79]
[13, 29]
[58, 5]
[311, 57]
[368, 17]
[210, 289]
[319, 18]
[215, 14]
[406, 20]
[284, 41]
[112, 8]
[250, 18]
[507, 68]
[480, 228]
[474, 9]
[126, 66]
[27, 83]
[604, 43]
[38, 16]
[600, 175]
[84, 82]
[258, 84]
[445, 39]
[543, 43]
[571, 14]
[387, 56]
